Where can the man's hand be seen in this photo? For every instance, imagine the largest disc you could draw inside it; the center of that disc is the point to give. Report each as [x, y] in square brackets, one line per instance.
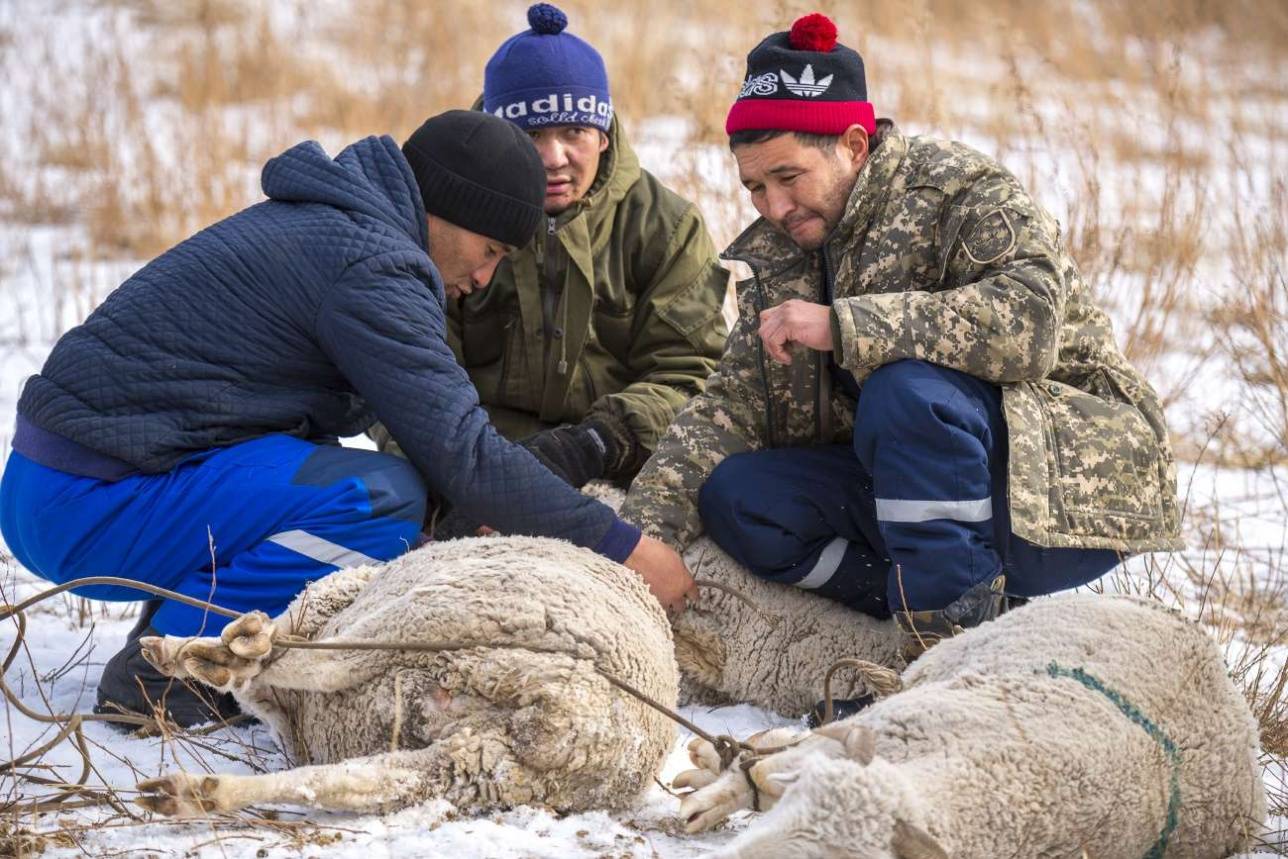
[575, 453]
[664, 572]
[796, 321]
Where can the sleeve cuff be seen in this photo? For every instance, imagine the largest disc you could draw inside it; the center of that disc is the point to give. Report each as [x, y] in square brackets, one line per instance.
[618, 541]
[838, 342]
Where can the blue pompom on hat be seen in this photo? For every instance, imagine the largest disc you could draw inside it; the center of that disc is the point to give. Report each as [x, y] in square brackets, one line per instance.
[545, 77]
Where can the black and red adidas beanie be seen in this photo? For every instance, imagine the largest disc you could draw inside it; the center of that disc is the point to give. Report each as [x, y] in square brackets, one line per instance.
[802, 80]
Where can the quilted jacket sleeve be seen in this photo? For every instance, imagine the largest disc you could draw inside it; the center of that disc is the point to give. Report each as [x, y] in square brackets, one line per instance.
[382, 325]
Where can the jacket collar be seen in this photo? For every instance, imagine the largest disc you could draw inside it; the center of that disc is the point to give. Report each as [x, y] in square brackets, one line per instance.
[872, 187]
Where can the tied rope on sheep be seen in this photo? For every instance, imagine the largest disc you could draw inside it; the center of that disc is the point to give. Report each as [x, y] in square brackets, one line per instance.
[70, 724]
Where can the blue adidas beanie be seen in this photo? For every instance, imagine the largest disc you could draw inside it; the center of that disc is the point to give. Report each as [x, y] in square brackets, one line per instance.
[546, 77]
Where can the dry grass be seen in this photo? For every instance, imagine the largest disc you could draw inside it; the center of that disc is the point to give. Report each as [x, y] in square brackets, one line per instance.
[1253, 328]
[393, 62]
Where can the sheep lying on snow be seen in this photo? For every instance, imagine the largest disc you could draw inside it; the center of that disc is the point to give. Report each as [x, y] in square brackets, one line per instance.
[772, 646]
[1078, 726]
[515, 712]
[774, 651]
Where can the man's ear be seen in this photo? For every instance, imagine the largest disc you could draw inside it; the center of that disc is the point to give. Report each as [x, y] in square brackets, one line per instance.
[603, 141]
[853, 146]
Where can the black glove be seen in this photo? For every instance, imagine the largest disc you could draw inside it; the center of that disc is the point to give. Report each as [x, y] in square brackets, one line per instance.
[576, 454]
[626, 456]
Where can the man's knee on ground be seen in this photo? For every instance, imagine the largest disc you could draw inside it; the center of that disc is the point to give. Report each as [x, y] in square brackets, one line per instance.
[719, 495]
[910, 400]
[394, 486]
[399, 492]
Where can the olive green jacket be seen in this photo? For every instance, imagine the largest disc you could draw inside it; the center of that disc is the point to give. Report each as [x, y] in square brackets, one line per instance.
[634, 325]
[940, 256]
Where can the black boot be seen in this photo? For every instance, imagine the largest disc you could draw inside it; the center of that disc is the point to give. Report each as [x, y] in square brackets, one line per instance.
[130, 684]
[923, 629]
[842, 708]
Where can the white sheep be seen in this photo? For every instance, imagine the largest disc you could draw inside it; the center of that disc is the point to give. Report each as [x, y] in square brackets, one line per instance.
[749, 641]
[774, 648]
[514, 711]
[1081, 726]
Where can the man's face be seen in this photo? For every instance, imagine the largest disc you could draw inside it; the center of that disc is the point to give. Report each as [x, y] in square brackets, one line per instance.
[799, 188]
[465, 260]
[570, 154]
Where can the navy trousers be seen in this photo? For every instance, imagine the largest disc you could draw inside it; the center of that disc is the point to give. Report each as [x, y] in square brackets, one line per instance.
[908, 517]
[280, 512]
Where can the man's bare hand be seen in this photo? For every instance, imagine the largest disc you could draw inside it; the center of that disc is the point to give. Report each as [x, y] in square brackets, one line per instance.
[663, 571]
[796, 321]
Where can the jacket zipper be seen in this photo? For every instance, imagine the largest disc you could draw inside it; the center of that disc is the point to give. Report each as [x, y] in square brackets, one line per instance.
[827, 289]
[764, 372]
[549, 299]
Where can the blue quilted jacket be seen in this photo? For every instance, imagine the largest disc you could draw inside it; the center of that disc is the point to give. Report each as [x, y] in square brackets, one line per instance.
[311, 314]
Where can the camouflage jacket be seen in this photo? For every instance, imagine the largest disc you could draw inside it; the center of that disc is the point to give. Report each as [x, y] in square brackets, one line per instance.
[614, 309]
[940, 256]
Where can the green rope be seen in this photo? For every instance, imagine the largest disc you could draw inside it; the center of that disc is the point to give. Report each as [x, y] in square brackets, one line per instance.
[1131, 711]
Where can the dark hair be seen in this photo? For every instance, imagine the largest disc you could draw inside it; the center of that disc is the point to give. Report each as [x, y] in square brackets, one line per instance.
[826, 142]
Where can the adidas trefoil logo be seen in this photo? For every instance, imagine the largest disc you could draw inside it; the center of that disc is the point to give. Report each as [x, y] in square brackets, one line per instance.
[806, 86]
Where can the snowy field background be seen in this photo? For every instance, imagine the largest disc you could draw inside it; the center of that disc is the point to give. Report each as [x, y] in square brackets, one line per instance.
[1154, 130]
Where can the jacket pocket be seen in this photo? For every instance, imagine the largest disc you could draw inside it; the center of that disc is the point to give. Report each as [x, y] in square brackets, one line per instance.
[692, 310]
[1103, 459]
[612, 328]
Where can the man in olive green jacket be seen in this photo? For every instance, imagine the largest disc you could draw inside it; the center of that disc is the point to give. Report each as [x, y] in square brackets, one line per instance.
[591, 337]
[610, 318]
[920, 405]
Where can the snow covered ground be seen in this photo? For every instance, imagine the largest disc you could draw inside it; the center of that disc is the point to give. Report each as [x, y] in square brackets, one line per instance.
[43, 679]
[58, 669]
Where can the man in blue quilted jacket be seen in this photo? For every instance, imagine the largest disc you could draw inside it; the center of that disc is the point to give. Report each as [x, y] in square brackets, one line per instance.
[185, 434]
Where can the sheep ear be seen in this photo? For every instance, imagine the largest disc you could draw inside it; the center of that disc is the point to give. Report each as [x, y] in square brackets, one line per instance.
[834, 731]
[913, 842]
[785, 778]
[861, 744]
[860, 741]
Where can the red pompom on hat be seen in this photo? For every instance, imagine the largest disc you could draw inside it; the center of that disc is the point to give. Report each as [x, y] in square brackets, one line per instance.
[813, 32]
[803, 80]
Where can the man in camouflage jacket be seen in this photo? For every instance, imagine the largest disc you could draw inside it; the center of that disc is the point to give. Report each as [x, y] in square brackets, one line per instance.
[590, 337]
[920, 405]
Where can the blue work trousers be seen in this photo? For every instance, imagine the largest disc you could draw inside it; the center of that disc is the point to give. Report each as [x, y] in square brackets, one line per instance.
[280, 512]
[909, 517]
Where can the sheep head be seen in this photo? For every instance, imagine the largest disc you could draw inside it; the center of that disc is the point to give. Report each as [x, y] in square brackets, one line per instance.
[831, 789]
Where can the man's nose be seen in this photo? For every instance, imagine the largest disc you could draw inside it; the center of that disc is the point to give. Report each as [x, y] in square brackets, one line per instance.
[778, 205]
[553, 156]
[482, 275]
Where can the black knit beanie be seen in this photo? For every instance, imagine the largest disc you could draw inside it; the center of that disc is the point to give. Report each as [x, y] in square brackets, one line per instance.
[480, 173]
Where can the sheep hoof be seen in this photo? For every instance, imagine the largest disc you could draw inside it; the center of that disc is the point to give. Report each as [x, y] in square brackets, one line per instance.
[250, 636]
[179, 795]
[162, 653]
[708, 807]
[704, 755]
[215, 664]
[694, 779]
[225, 662]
